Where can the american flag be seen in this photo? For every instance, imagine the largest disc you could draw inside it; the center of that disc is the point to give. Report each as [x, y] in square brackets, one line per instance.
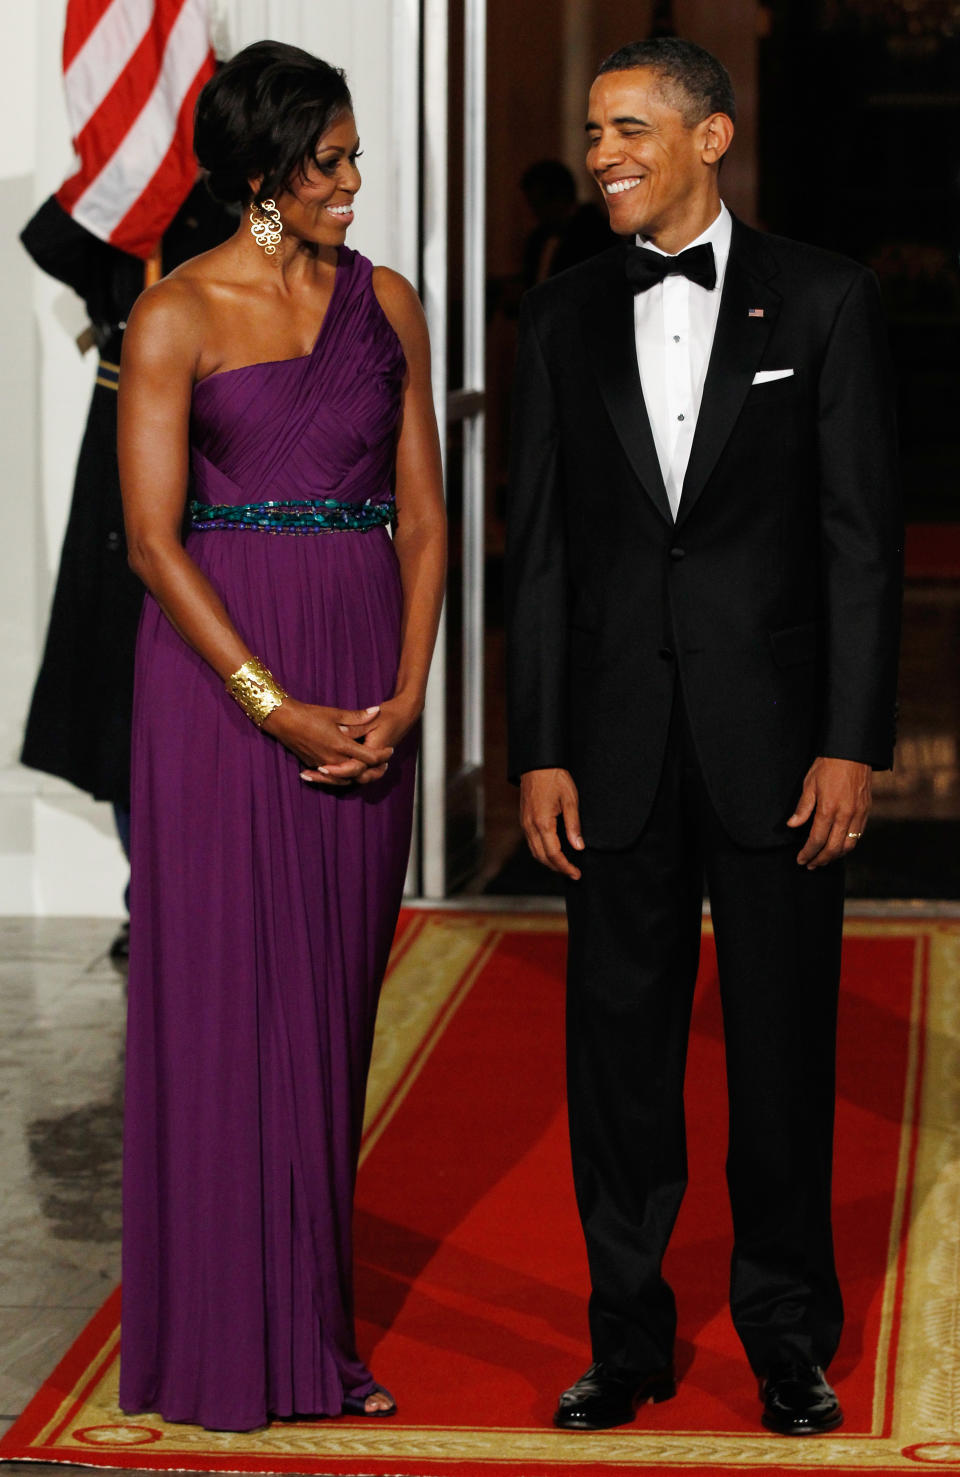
[132, 70]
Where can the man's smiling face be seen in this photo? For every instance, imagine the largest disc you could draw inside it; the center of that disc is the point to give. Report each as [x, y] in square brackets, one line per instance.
[648, 163]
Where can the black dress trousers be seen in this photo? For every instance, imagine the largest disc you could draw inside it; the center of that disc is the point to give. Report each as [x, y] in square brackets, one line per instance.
[634, 924]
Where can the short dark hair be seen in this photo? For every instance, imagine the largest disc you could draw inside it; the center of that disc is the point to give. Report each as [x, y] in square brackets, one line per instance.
[263, 114]
[696, 83]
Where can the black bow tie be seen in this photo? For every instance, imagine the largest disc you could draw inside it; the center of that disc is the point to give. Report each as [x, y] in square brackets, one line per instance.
[645, 267]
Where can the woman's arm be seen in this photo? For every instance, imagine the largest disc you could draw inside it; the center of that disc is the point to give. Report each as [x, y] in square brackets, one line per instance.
[420, 539]
[421, 533]
[161, 351]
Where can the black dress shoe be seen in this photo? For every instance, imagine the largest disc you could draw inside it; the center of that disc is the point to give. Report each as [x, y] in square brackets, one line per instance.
[605, 1397]
[797, 1401]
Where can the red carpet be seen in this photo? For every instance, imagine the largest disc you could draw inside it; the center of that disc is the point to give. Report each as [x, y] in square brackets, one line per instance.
[471, 1280]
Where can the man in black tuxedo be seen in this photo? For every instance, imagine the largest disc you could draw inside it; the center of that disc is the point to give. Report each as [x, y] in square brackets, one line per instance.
[703, 578]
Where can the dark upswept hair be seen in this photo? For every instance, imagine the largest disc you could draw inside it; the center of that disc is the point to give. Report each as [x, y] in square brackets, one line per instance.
[695, 83]
[263, 114]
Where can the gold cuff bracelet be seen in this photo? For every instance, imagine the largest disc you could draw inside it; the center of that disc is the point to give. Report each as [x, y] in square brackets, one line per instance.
[256, 690]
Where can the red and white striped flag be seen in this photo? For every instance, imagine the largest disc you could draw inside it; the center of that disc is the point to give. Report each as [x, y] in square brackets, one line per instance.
[132, 70]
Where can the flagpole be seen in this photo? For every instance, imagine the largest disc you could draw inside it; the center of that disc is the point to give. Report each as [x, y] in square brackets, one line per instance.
[153, 266]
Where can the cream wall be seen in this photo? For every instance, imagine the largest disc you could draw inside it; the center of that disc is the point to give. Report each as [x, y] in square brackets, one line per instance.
[58, 852]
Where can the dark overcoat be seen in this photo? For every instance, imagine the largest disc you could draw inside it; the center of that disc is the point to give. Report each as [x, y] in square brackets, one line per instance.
[78, 726]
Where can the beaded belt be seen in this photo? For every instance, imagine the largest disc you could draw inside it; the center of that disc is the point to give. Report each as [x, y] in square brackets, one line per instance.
[295, 515]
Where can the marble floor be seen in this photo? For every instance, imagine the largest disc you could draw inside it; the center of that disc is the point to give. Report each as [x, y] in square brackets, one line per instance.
[62, 1012]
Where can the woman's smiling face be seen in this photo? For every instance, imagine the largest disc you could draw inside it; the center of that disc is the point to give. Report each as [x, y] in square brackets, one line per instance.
[318, 207]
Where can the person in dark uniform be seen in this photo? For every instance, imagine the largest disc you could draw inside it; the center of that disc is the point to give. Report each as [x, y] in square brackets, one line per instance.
[78, 726]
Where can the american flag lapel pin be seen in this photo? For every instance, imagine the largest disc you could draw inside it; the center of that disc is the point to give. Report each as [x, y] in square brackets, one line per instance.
[754, 312]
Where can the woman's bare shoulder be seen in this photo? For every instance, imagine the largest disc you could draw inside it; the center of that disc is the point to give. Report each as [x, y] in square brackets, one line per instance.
[170, 301]
[402, 306]
[167, 325]
[180, 310]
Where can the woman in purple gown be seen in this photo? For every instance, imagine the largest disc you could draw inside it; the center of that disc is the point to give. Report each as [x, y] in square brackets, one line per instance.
[274, 403]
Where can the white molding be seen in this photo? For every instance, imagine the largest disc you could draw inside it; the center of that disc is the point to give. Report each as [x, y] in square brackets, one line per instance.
[474, 373]
[433, 764]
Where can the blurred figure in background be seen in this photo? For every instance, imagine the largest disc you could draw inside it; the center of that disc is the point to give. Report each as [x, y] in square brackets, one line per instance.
[567, 231]
[78, 727]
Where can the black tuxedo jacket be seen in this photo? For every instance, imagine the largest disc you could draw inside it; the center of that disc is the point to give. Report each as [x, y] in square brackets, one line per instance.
[775, 597]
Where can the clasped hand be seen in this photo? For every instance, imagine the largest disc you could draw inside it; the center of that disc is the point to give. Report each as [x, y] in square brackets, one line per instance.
[338, 746]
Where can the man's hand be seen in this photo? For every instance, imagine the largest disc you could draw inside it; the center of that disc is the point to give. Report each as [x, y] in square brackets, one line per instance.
[837, 793]
[545, 794]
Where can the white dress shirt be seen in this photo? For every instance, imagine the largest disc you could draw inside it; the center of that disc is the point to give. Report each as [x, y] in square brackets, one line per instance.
[674, 322]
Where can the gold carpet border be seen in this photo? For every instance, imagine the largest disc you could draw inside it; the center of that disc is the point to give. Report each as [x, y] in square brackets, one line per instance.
[416, 992]
[887, 1332]
[926, 1408]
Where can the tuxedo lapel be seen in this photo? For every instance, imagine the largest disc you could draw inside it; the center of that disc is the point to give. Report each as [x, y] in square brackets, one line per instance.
[738, 345]
[608, 327]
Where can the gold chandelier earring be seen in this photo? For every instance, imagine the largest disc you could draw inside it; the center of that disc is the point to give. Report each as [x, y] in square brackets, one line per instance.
[266, 227]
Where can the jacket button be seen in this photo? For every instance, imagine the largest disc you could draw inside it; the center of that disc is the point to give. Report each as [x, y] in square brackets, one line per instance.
[665, 654]
[677, 553]
[113, 541]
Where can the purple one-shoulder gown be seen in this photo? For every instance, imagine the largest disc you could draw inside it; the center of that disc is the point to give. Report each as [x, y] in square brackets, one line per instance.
[263, 907]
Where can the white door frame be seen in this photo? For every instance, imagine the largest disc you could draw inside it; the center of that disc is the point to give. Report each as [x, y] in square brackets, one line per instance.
[464, 404]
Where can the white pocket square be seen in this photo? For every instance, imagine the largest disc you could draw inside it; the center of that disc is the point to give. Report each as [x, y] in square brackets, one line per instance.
[766, 375]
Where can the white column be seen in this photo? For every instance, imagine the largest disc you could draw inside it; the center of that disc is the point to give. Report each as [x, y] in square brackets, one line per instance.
[58, 852]
[579, 66]
[433, 745]
[20, 568]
